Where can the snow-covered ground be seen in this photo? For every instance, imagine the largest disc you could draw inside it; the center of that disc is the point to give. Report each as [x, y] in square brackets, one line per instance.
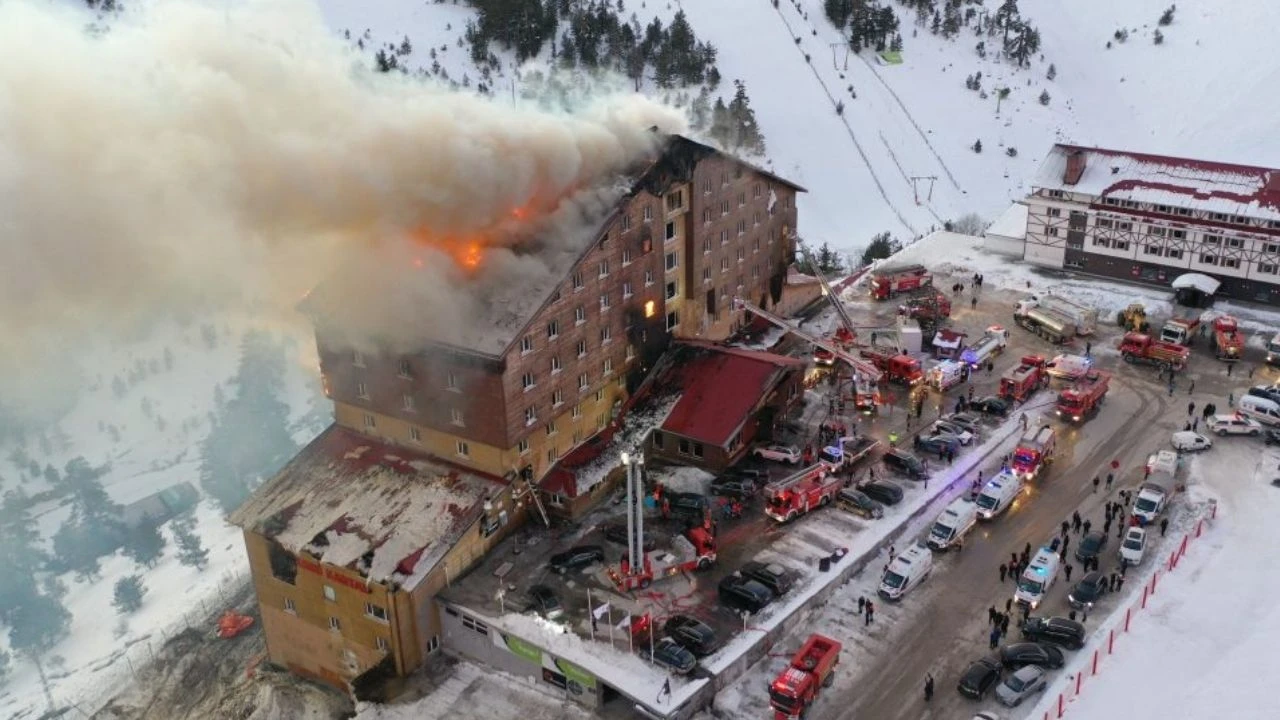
[1197, 649]
[146, 458]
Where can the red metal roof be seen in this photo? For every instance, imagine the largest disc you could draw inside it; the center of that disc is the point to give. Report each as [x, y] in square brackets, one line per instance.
[720, 387]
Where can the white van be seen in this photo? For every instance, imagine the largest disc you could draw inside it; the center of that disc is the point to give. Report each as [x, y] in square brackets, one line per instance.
[906, 571]
[953, 524]
[1038, 578]
[998, 494]
[1263, 410]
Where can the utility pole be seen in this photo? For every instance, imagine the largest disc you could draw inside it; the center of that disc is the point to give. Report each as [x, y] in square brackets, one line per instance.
[915, 186]
[835, 46]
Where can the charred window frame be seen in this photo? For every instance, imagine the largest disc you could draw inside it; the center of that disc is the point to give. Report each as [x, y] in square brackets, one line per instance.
[284, 566]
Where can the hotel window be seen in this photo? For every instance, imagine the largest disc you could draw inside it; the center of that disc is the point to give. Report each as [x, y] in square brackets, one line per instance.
[706, 245]
[1051, 232]
[408, 404]
[604, 268]
[1173, 253]
[1267, 268]
[1230, 262]
[627, 290]
[362, 391]
[672, 289]
[1055, 212]
[724, 237]
[455, 417]
[1207, 259]
[608, 367]
[724, 178]
[383, 645]
[755, 190]
[1235, 242]
[675, 201]
[577, 411]
[406, 370]
[370, 422]
[522, 447]
[604, 241]
[626, 257]
[1211, 239]
[648, 278]
[1155, 230]
[1165, 209]
[1271, 248]
[631, 352]
[600, 421]
[557, 398]
[626, 222]
[742, 227]
[576, 279]
[463, 450]
[551, 428]
[706, 275]
[451, 382]
[706, 216]
[673, 261]
[724, 265]
[742, 254]
[673, 320]
[1121, 245]
[289, 607]
[377, 612]
[528, 381]
[755, 245]
[330, 594]
[530, 416]
[648, 213]
[600, 395]
[1151, 249]
[1124, 226]
[724, 207]
[335, 624]
[357, 358]
[1178, 234]
[584, 382]
[582, 348]
[415, 434]
[706, 187]
[1102, 223]
[606, 335]
[1218, 217]
[1055, 193]
[1186, 212]
[579, 315]
[742, 199]
[551, 456]
[604, 301]
[555, 364]
[526, 344]
[553, 329]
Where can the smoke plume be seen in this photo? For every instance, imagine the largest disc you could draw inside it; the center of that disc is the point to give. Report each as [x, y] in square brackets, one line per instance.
[188, 155]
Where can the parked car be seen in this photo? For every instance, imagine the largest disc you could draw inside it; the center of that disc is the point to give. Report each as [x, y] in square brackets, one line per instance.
[978, 679]
[696, 636]
[1021, 685]
[1016, 655]
[1271, 437]
[1234, 425]
[1133, 546]
[1092, 545]
[759, 476]
[882, 491]
[671, 655]
[734, 486]
[990, 405]
[1188, 441]
[544, 601]
[859, 503]
[742, 593]
[771, 575]
[904, 463]
[1057, 630]
[962, 433]
[576, 558]
[778, 453]
[968, 421]
[1088, 591]
[1268, 392]
[686, 505]
[936, 444]
[617, 533]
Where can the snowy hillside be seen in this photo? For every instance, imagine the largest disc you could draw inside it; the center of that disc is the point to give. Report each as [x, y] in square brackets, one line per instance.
[1200, 93]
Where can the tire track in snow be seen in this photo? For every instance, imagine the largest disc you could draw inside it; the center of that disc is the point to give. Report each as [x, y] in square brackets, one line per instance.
[857, 145]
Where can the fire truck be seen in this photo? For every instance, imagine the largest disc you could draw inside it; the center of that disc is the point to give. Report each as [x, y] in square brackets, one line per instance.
[846, 452]
[946, 375]
[809, 489]
[1018, 383]
[1034, 452]
[1140, 349]
[889, 281]
[1273, 350]
[1081, 400]
[695, 550]
[898, 368]
[929, 303]
[1226, 342]
[797, 687]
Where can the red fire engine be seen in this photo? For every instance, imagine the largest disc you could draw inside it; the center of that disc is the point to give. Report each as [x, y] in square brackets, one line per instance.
[809, 489]
[1018, 383]
[888, 281]
[1137, 348]
[899, 368]
[1226, 342]
[695, 550]
[1082, 399]
[797, 687]
[1035, 450]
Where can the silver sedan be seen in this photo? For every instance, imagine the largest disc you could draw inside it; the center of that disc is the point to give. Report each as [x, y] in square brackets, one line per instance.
[1023, 683]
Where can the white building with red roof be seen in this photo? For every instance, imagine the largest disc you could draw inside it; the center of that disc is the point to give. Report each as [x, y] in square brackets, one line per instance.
[1152, 219]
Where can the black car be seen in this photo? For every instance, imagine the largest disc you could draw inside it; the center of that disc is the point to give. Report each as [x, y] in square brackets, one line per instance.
[904, 463]
[696, 636]
[544, 601]
[980, 677]
[1016, 655]
[617, 533]
[742, 593]
[1088, 591]
[672, 655]
[990, 405]
[882, 491]
[1091, 546]
[858, 503]
[1270, 392]
[756, 475]
[1271, 437]
[773, 576]
[1057, 630]
[968, 421]
[576, 558]
[937, 444]
[686, 505]
[734, 486]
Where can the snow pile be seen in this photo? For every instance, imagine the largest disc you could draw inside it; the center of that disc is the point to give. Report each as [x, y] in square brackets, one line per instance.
[639, 421]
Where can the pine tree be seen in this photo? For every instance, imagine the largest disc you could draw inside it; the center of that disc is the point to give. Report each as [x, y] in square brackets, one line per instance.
[747, 135]
[36, 625]
[1044, 97]
[4, 665]
[128, 594]
[1166, 17]
[21, 555]
[880, 247]
[1158, 38]
[145, 544]
[838, 11]
[405, 46]
[191, 551]
[1052, 73]
[977, 146]
[382, 61]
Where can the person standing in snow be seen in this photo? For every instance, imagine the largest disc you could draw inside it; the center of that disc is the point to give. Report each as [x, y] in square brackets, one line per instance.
[1164, 525]
[1067, 569]
[1003, 571]
[928, 688]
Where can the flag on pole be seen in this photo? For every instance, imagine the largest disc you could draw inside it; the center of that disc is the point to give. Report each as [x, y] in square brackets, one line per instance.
[626, 623]
[601, 611]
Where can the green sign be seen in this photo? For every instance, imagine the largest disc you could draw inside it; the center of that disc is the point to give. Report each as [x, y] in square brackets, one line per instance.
[523, 649]
[576, 674]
